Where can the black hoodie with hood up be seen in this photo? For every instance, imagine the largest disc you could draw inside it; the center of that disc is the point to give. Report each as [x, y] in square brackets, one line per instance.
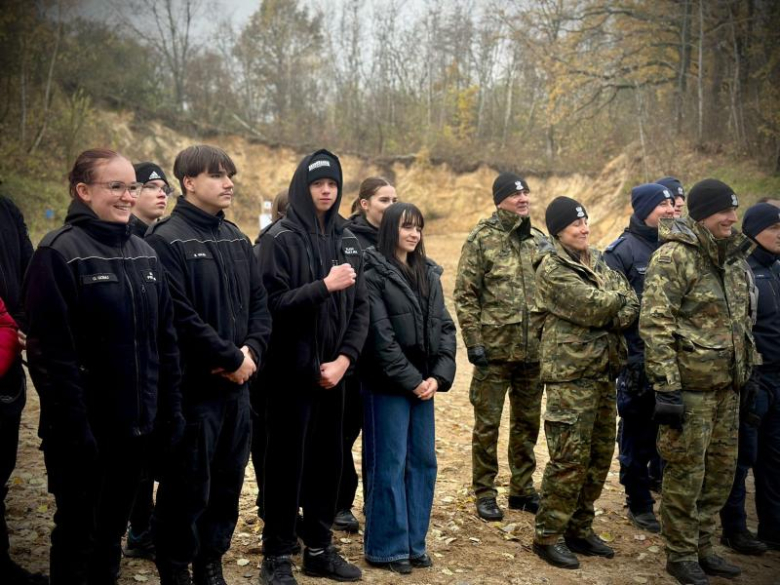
[311, 325]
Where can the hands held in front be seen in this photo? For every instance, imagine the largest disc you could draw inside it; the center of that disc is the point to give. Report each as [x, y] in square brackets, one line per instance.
[340, 277]
[426, 389]
[331, 373]
[478, 356]
[245, 371]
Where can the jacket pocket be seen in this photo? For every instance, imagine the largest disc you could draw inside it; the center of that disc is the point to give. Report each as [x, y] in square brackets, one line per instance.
[704, 366]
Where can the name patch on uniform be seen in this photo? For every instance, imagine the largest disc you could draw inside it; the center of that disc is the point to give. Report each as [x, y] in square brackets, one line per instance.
[98, 278]
[350, 251]
[149, 275]
[198, 255]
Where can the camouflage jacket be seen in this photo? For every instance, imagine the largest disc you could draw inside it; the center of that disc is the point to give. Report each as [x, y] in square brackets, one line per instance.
[494, 287]
[696, 310]
[585, 309]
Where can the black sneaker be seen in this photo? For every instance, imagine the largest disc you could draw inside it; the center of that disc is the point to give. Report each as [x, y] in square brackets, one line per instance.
[719, 567]
[402, 566]
[557, 555]
[277, 571]
[13, 574]
[744, 543]
[592, 546]
[208, 573]
[488, 509]
[645, 521]
[331, 565]
[345, 521]
[687, 573]
[422, 562]
[525, 503]
[139, 546]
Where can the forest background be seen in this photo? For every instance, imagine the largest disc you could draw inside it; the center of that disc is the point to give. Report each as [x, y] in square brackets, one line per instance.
[546, 88]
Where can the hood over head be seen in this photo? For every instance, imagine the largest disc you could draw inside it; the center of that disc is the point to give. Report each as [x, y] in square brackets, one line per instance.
[318, 165]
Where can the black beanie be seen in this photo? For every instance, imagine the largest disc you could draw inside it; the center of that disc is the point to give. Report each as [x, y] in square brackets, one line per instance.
[759, 217]
[506, 184]
[708, 197]
[148, 171]
[561, 212]
[674, 185]
[645, 198]
[323, 166]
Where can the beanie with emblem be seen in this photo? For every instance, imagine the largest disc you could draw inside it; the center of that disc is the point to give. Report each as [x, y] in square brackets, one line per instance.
[148, 171]
[709, 197]
[323, 166]
[759, 217]
[561, 212]
[506, 184]
[674, 185]
[645, 198]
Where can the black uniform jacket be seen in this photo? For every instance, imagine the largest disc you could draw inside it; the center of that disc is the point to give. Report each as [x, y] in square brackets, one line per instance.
[366, 234]
[406, 344]
[101, 343]
[766, 270]
[311, 325]
[218, 295]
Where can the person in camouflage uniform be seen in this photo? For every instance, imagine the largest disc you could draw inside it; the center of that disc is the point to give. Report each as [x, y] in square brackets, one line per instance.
[494, 295]
[699, 351]
[586, 305]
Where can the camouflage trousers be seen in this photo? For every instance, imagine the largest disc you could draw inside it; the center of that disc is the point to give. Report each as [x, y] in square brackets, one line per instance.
[580, 426]
[700, 463]
[489, 388]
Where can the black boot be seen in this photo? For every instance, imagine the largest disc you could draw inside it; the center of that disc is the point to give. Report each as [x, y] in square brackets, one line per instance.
[645, 521]
[591, 546]
[345, 520]
[719, 567]
[330, 564]
[174, 576]
[208, 573]
[13, 574]
[557, 555]
[687, 573]
[744, 543]
[402, 566]
[525, 503]
[277, 571]
[488, 509]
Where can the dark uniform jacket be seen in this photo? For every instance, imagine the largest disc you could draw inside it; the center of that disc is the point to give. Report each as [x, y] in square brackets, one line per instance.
[311, 325]
[15, 253]
[366, 234]
[766, 330]
[137, 227]
[101, 344]
[409, 340]
[218, 295]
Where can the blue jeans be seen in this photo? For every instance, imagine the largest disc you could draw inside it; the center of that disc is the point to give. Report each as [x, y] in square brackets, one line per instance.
[400, 475]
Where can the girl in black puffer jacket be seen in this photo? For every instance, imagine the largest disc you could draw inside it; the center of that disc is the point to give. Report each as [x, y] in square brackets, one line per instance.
[408, 357]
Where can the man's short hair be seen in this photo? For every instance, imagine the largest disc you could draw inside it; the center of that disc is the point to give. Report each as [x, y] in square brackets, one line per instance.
[200, 158]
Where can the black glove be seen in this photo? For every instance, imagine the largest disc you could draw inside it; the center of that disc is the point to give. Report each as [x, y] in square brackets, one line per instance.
[669, 409]
[747, 401]
[477, 356]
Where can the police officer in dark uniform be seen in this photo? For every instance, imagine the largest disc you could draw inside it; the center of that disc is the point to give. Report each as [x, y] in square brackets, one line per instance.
[759, 430]
[630, 254]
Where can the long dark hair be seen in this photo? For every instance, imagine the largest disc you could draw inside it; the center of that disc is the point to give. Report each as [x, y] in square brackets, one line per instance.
[407, 215]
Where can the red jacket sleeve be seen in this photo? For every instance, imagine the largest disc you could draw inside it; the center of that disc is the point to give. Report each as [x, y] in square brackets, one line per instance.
[9, 341]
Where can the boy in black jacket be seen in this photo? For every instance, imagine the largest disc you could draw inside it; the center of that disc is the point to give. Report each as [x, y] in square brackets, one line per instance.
[312, 269]
[223, 324]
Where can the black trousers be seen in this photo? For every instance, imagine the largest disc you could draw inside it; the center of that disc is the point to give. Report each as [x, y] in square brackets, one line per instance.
[9, 443]
[258, 442]
[141, 514]
[353, 422]
[198, 494]
[302, 464]
[93, 497]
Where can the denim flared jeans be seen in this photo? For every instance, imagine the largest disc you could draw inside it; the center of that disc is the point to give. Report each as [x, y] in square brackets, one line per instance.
[399, 462]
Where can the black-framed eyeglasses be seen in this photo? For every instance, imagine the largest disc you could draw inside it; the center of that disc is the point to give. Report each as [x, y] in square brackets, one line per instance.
[152, 187]
[118, 188]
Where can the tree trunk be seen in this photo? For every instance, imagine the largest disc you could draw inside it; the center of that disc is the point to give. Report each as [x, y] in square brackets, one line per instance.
[700, 78]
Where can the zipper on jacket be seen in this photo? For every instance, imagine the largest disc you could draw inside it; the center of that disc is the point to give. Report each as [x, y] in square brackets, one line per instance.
[228, 288]
[137, 429]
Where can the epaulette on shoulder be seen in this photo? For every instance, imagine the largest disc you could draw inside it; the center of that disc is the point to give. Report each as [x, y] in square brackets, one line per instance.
[538, 233]
[615, 244]
[50, 238]
[482, 225]
[152, 228]
[665, 252]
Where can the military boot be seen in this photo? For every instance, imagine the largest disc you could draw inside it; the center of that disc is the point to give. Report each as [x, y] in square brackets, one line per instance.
[488, 509]
[557, 555]
[645, 521]
[208, 572]
[525, 503]
[719, 567]
[744, 543]
[687, 573]
[590, 546]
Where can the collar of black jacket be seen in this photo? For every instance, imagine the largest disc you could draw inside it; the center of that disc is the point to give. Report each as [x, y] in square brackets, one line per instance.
[107, 232]
[196, 215]
[764, 256]
[639, 228]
